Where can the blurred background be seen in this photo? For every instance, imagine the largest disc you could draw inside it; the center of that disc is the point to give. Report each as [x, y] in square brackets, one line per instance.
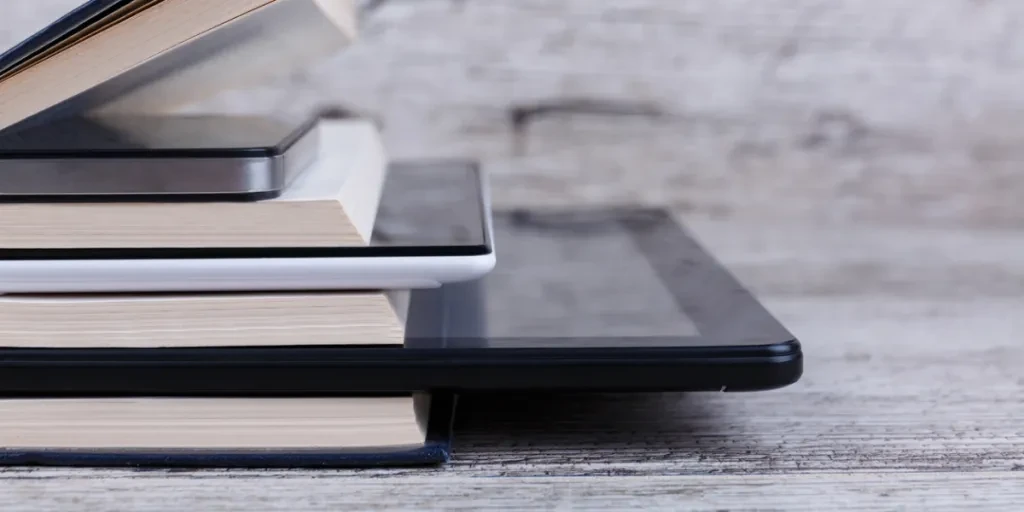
[868, 111]
[857, 163]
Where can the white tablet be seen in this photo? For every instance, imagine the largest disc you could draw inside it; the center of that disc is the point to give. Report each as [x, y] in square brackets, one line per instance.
[433, 226]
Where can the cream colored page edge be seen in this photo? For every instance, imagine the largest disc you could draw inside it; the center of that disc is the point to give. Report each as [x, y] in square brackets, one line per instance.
[277, 41]
[47, 72]
[98, 27]
[209, 423]
[199, 320]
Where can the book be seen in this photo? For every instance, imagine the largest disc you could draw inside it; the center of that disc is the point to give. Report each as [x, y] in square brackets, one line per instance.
[226, 432]
[203, 319]
[332, 203]
[152, 56]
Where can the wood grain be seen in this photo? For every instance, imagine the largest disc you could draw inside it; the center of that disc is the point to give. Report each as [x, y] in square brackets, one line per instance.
[910, 400]
[273, 491]
[879, 110]
[771, 125]
[869, 110]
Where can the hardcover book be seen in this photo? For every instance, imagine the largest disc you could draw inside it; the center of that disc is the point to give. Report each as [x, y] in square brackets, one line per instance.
[152, 56]
[227, 432]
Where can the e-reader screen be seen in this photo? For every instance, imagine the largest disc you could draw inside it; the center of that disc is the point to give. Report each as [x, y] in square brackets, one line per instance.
[598, 278]
[432, 204]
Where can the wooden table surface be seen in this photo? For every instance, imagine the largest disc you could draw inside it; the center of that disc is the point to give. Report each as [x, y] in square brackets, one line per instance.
[888, 111]
[912, 398]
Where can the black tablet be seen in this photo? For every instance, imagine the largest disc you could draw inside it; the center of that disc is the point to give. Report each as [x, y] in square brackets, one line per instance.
[599, 299]
[147, 158]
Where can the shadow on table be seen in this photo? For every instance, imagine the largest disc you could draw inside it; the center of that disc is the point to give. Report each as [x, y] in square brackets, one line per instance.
[605, 428]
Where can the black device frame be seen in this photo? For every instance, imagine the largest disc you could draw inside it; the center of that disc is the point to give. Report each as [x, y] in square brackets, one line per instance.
[750, 351]
[297, 131]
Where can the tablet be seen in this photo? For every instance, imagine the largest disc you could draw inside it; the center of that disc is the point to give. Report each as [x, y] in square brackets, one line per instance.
[433, 226]
[155, 158]
[612, 300]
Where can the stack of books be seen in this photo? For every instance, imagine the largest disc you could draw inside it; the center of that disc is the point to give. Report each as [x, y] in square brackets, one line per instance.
[117, 57]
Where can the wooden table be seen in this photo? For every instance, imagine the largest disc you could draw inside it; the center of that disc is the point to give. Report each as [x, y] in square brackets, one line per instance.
[913, 397]
[847, 109]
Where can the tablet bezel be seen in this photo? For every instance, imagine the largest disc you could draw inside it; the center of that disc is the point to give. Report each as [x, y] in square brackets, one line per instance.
[757, 353]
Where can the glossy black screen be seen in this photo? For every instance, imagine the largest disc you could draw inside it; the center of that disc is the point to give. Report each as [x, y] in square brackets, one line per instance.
[598, 300]
[431, 204]
[593, 278]
[149, 136]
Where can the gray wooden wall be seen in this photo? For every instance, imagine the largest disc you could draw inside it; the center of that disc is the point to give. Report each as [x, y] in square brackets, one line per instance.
[896, 111]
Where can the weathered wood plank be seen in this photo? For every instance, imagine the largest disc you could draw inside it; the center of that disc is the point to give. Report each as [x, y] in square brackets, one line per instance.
[871, 110]
[853, 109]
[822, 259]
[913, 345]
[272, 491]
[879, 110]
[911, 398]
[893, 112]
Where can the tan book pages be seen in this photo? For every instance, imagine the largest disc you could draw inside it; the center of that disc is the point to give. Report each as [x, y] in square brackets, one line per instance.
[107, 21]
[332, 203]
[178, 51]
[201, 320]
[263, 424]
[280, 39]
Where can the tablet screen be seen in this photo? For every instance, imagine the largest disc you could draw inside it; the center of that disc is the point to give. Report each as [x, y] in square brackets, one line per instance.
[431, 204]
[599, 278]
[566, 279]
[581, 299]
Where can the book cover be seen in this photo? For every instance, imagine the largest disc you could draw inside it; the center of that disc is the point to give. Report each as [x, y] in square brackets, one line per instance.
[435, 450]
